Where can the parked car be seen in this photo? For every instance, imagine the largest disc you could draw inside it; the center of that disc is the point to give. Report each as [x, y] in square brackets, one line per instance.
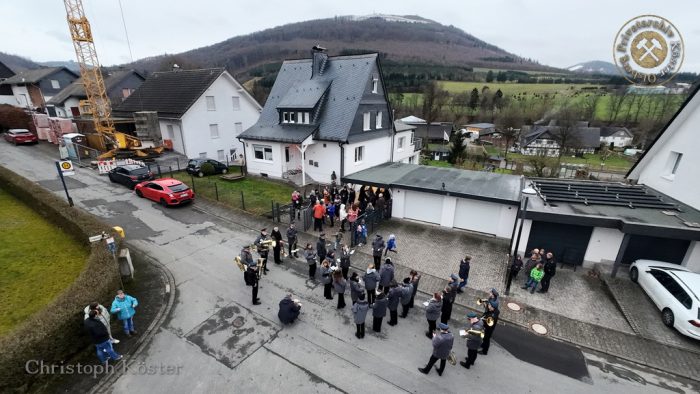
[194, 166]
[21, 136]
[130, 175]
[166, 191]
[674, 290]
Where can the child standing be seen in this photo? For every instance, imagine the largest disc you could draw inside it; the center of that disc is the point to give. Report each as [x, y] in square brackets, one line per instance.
[535, 277]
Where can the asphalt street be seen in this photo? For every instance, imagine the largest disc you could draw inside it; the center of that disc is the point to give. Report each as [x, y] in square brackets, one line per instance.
[216, 341]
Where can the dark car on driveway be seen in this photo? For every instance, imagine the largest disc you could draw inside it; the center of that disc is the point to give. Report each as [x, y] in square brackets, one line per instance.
[130, 175]
[20, 136]
[194, 166]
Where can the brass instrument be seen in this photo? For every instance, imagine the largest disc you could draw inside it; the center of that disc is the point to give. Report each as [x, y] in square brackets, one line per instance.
[489, 321]
[476, 332]
[452, 358]
[259, 268]
[481, 302]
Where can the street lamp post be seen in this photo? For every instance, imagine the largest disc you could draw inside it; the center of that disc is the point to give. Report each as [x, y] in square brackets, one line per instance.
[527, 192]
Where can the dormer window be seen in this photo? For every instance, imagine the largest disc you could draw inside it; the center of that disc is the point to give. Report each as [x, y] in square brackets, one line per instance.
[285, 117]
[307, 118]
[375, 85]
[296, 117]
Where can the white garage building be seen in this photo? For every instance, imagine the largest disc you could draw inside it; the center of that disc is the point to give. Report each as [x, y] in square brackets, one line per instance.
[480, 202]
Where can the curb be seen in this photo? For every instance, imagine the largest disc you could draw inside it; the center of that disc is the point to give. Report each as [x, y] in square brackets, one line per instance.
[168, 281]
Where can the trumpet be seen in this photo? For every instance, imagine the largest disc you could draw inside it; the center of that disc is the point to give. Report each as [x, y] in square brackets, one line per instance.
[481, 302]
[489, 321]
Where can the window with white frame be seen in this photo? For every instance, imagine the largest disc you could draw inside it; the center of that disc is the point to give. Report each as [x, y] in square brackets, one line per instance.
[263, 152]
[366, 121]
[214, 131]
[211, 103]
[292, 117]
[413, 137]
[359, 153]
[307, 117]
[674, 160]
[285, 117]
[220, 155]
[401, 143]
[55, 84]
[379, 119]
[238, 128]
[236, 103]
[375, 85]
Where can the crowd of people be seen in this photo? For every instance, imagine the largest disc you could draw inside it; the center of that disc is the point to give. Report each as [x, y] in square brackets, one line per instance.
[97, 323]
[376, 291]
[539, 269]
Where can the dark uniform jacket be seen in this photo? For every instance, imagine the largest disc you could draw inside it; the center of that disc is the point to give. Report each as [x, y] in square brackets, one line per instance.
[291, 235]
[432, 311]
[394, 298]
[355, 290]
[359, 310]
[340, 285]
[380, 305]
[289, 311]
[386, 274]
[378, 246]
[442, 344]
[371, 279]
[321, 249]
[473, 339]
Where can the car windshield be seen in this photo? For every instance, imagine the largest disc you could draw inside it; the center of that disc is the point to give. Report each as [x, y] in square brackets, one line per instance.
[20, 132]
[179, 187]
[193, 163]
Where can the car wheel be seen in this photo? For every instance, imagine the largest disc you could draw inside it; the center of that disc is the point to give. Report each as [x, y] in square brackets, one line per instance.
[634, 274]
[138, 193]
[200, 174]
[163, 202]
[224, 171]
[667, 317]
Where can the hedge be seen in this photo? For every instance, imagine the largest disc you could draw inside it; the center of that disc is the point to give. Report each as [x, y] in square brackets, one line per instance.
[56, 333]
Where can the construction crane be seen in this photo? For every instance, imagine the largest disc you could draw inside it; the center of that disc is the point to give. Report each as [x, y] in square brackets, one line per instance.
[97, 104]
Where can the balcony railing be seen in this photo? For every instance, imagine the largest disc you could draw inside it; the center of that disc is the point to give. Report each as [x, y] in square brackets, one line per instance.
[417, 144]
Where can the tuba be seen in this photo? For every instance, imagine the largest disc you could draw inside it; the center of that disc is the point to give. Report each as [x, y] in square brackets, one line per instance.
[489, 321]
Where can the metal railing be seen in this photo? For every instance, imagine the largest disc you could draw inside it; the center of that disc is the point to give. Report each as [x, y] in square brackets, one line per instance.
[417, 144]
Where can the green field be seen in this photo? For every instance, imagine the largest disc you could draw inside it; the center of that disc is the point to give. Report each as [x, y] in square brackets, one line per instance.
[512, 88]
[37, 262]
[258, 193]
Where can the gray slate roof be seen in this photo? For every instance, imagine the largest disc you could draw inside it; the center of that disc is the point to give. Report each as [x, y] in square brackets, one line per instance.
[401, 126]
[349, 75]
[34, 76]
[169, 93]
[607, 131]
[76, 89]
[478, 185]
[305, 94]
[5, 72]
[293, 134]
[581, 137]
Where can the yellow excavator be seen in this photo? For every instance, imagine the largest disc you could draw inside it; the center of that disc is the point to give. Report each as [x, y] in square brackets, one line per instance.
[111, 142]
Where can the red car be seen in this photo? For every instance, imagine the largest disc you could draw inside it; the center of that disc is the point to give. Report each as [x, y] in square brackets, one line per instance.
[166, 191]
[21, 136]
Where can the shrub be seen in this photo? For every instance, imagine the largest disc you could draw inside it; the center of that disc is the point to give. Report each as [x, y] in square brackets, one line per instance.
[208, 169]
[55, 333]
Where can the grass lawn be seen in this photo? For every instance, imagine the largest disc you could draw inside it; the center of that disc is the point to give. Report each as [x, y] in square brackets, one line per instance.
[258, 193]
[613, 162]
[510, 88]
[438, 163]
[37, 262]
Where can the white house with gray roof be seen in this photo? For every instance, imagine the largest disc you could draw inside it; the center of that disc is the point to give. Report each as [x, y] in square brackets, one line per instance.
[325, 114]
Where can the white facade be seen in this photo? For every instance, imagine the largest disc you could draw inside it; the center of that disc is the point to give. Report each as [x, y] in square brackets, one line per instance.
[213, 131]
[692, 257]
[404, 148]
[22, 98]
[671, 164]
[603, 245]
[619, 139]
[374, 152]
[489, 218]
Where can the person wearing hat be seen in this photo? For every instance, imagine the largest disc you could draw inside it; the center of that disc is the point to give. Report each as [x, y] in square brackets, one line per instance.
[394, 298]
[359, 312]
[310, 257]
[250, 275]
[406, 293]
[492, 311]
[263, 249]
[493, 297]
[379, 311]
[326, 279]
[321, 247]
[475, 334]
[386, 275]
[277, 237]
[377, 250]
[289, 310]
[448, 298]
[292, 240]
[443, 341]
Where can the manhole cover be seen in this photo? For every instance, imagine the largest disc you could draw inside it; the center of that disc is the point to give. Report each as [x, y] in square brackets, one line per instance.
[513, 306]
[238, 322]
[538, 328]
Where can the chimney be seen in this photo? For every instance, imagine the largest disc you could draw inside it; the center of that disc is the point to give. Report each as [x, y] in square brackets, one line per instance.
[319, 60]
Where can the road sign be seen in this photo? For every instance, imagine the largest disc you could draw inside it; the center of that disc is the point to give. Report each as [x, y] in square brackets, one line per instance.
[95, 238]
[66, 167]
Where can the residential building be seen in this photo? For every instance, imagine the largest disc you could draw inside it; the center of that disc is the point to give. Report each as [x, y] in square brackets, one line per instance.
[546, 140]
[407, 146]
[324, 115]
[616, 137]
[119, 85]
[201, 113]
[6, 96]
[33, 88]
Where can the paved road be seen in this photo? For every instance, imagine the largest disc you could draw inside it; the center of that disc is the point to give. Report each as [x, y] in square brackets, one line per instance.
[215, 341]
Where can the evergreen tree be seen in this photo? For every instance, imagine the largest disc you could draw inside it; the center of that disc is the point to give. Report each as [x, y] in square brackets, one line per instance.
[474, 99]
[458, 149]
[489, 76]
[501, 76]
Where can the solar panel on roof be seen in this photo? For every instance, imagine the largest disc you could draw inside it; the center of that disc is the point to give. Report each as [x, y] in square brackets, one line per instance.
[631, 196]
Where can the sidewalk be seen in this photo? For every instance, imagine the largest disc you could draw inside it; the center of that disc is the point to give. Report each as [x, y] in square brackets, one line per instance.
[583, 331]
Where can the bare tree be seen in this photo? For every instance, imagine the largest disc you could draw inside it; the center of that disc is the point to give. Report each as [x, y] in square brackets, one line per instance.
[541, 165]
[567, 134]
[588, 105]
[508, 123]
[616, 102]
[434, 100]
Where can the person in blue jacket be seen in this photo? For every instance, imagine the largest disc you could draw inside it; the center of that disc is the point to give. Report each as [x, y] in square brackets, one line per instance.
[124, 307]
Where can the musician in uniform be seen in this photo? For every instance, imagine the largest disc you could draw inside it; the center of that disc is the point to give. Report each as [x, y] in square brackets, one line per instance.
[263, 248]
[491, 313]
[277, 237]
[442, 346]
[250, 275]
[292, 240]
[321, 247]
[475, 334]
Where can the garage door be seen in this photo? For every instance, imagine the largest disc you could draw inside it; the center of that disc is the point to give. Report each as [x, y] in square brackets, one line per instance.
[568, 242]
[478, 216]
[423, 206]
[655, 248]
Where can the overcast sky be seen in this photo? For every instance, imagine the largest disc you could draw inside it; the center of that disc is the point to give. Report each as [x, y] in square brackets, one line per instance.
[559, 33]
